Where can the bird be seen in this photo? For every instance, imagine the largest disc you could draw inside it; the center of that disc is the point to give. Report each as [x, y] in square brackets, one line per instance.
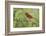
[29, 16]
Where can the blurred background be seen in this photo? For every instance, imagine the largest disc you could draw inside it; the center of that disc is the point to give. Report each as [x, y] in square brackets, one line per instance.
[25, 17]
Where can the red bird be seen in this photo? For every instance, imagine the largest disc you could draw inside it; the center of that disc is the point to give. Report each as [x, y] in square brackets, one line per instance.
[29, 16]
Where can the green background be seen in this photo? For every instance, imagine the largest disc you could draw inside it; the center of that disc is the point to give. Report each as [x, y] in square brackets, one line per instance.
[19, 17]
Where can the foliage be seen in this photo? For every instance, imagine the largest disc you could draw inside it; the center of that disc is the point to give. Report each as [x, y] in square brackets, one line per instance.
[20, 19]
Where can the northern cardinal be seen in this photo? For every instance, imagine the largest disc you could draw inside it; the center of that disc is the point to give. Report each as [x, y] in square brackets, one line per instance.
[29, 16]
